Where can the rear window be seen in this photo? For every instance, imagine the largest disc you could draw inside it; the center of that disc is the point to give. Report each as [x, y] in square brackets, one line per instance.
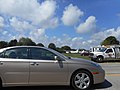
[16, 53]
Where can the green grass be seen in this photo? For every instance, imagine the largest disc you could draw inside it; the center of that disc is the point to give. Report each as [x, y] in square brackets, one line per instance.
[76, 55]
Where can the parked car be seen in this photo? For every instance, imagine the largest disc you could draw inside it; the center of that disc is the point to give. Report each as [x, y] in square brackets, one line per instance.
[84, 53]
[33, 65]
[102, 54]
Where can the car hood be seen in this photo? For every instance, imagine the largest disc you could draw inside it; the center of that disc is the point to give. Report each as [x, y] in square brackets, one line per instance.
[97, 52]
[80, 60]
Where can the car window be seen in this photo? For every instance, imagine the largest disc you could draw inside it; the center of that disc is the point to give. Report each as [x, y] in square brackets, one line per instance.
[41, 54]
[16, 53]
[1, 54]
[109, 51]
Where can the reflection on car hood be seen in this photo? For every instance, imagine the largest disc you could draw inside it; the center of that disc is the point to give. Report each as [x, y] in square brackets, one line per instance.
[80, 60]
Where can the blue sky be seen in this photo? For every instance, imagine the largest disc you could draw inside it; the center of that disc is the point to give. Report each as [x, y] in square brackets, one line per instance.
[76, 23]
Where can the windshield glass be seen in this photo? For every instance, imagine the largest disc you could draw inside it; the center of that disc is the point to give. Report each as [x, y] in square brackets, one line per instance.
[60, 54]
[98, 49]
[102, 49]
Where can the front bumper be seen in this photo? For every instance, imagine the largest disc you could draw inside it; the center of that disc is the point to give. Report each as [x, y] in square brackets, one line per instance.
[100, 77]
[93, 57]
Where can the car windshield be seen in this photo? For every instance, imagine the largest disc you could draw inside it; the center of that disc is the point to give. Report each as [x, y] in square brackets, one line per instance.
[102, 49]
[59, 54]
[98, 49]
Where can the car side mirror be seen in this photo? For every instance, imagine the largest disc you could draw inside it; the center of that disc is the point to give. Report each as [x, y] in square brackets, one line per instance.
[57, 58]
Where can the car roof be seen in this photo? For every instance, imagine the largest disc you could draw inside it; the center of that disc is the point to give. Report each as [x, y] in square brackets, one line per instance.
[1, 50]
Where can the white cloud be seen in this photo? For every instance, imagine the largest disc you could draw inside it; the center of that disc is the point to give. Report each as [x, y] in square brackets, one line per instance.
[80, 42]
[97, 38]
[88, 25]
[118, 14]
[109, 32]
[71, 15]
[18, 8]
[30, 10]
[2, 25]
[38, 32]
[4, 32]
[1, 22]
[33, 18]
[20, 26]
[38, 35]
[73, 42]
[77, 38]
[51, 23]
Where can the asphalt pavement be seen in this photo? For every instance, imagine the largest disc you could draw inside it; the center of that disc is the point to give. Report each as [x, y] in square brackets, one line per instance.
[112, 77]
[112, 81]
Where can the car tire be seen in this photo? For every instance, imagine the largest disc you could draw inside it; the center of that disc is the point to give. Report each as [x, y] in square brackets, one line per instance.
[0, 83]
[92, 59]
[81, 80]
[99, 59]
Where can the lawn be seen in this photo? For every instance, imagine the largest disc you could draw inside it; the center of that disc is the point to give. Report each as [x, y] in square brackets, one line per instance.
[76, 55]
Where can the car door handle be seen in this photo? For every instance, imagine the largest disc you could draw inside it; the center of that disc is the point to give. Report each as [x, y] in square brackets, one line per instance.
[34, 63]
[1, 63]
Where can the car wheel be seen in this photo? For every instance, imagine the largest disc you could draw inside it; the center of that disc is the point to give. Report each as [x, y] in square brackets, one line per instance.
[92, 59]
[82, 80]
[99, 59]
[0, 83]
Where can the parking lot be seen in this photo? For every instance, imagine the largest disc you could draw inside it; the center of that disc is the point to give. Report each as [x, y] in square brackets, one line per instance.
[112, 81]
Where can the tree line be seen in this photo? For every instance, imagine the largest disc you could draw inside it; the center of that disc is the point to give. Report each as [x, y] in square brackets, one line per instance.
[28, 42]
[111, 40]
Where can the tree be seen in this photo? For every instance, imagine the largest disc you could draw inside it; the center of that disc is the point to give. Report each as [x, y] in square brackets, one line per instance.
[40, 44]
[52, 46]
[82, 49]
[3, 44]
[12, 43]
[60, 50]
[66, 48]
[26, 41]
[111, 40]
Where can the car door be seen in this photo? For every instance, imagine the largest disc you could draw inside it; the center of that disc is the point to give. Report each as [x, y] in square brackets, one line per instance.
[117, 52]
[45, 70]
[14, 66]
[109, 53]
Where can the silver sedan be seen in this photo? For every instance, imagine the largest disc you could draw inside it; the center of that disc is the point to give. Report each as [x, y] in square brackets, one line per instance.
[32, 65]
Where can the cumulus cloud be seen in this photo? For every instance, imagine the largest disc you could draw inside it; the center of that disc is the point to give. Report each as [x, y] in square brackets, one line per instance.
[37, 32]
[80, 42]
[30, 18]
[73, 42]
[118, 14]
[1, 22]
[2, 25]
[71, 15]
[25, 17]
[51, 23]
[98, 37]
[20, 26]
[104, 34]
[38, 35]
[88, 25]
[31, 10]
